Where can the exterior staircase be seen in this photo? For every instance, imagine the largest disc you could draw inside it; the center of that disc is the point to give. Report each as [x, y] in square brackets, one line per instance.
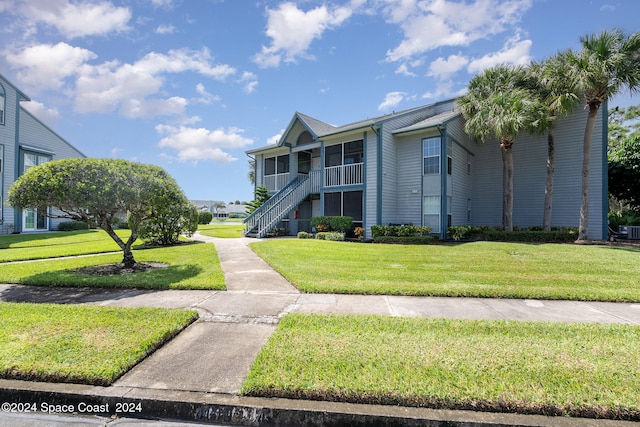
[267, 216]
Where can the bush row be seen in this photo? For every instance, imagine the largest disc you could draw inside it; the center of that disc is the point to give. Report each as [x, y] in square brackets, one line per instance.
[531, 234]
[341, 224]
[406, 240]
[378, 231]
[323, 235]
[73, 225]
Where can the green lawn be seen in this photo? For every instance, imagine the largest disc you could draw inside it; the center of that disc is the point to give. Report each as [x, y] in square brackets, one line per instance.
[17, 247]
[587, 370]
[479, 269]
[84, 344]
[190, 266]
[226, 231]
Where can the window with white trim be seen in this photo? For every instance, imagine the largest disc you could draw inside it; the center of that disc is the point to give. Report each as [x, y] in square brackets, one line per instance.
[431, 213]
[431, 155]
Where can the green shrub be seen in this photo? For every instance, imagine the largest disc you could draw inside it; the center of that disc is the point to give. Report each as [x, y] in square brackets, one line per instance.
[330, 235]
[171, 218]
[378, 231]
[303, 235]
[341, 224]
[204, 217]
[531, 234]
[627, 217]
[73, 225]
[410, 240]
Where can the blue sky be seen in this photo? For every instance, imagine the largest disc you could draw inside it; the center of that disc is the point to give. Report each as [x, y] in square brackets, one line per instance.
[191, 84]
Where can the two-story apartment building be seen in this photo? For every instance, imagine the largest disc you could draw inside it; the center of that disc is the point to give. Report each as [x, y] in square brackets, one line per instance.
[419, 167]
[24, 142]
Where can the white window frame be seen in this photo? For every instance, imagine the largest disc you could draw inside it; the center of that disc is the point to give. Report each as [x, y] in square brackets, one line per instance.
[431, 150]
[431, 212]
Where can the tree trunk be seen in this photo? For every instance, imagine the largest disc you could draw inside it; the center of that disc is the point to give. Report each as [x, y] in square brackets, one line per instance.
[127, 259]
[583, 230]
[506, 146]
[548, 189]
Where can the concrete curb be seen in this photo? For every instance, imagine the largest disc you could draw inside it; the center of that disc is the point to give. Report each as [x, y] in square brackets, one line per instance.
[68, 399]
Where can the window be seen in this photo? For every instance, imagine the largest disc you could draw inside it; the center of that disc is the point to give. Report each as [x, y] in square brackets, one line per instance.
[2, 104]
[32, 220]
[353, 153]
[276, 165]
[449, 165]
[347, 203]
[333, 155]
[431, 213]
[431, 155]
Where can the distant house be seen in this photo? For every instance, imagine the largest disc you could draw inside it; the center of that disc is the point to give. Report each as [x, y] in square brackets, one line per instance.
[221, 209]
[24, 142]
[419, 167]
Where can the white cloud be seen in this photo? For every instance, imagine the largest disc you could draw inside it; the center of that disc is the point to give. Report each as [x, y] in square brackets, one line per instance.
[202, 144]
[403, 69]
[442, 68]
[47, 115]
[438, 23]
[250, 81]
[275, 138]
[292, 31]
[517, 53]
[391, 100]
[127, 87]
[205, 97]
[165, 29]
[47, 66]
[76, 18]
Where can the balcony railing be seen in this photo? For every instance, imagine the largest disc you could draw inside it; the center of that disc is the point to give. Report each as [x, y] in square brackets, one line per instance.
[276, 182]
[343, 175]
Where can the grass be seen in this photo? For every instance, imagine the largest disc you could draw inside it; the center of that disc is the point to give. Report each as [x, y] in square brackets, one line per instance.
[191, 266]
[225, 231]
[587, 370]
[81, 344]
[18, 247]
[479, 269]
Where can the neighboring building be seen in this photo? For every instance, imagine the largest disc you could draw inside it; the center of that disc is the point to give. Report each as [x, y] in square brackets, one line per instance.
[24, 142]
[221, 209]
[419, 167]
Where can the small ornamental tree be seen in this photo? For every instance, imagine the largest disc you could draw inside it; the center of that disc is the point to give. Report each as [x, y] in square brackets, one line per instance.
[261, 196]
[94, 191]
[172, 215]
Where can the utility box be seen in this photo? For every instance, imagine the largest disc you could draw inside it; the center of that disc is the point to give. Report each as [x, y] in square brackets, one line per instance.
[631, 232]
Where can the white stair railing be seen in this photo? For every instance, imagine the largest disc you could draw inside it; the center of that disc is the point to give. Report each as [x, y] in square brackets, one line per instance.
[267, 216]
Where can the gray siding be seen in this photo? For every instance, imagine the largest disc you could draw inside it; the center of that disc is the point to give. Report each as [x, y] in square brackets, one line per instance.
[8, 141]
[529, 154]
[370, 204]
[409, 189]
[462, 181]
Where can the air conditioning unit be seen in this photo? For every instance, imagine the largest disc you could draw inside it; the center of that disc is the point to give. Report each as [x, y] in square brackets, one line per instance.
[631, 232]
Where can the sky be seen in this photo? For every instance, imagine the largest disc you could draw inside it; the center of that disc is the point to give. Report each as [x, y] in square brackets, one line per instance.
[190, 85]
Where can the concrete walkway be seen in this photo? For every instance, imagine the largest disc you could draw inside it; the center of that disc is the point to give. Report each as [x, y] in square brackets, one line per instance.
[205, 365]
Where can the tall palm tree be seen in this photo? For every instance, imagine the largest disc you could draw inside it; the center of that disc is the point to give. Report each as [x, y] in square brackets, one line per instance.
[499, 104]
[554, 83]
[608, 63]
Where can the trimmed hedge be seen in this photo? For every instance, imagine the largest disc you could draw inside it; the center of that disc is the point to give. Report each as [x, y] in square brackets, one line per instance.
[204, 217]
[531, 234]
[378, 231]
[330, 235]
[341, 224]
[406, 240]
[73, 225]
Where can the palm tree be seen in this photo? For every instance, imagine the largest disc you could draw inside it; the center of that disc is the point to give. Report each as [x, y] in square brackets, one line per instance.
[553, 82]
[608, 63]
[499, 104]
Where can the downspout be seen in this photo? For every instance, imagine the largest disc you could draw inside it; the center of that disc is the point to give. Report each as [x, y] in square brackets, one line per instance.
[443, 181]
[379, 176]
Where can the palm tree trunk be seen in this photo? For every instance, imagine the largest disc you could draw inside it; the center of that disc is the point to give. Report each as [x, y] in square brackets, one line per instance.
[548, 188]
[506, 146]
[583, 230]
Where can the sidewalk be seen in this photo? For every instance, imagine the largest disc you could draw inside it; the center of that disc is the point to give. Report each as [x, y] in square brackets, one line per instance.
[197, 375]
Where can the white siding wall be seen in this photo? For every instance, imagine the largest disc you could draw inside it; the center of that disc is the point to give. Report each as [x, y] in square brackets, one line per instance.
[529, 154]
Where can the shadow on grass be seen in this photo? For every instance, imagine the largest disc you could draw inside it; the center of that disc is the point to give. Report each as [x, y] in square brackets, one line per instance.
[161, 278]
[11, 239]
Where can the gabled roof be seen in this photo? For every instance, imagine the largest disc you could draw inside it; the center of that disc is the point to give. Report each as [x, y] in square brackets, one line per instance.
[316, 126]
[21, 95]
[437, 120]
